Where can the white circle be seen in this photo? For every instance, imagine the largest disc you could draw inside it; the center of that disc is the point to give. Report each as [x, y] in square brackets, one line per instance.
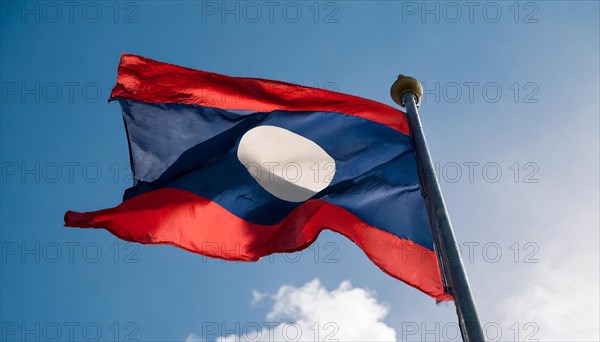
[287, 165]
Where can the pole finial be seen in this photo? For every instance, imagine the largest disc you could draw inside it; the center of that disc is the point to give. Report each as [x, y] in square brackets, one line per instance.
[406, 84]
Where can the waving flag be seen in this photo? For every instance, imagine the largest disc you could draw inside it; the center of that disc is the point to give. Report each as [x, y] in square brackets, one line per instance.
[240, 168]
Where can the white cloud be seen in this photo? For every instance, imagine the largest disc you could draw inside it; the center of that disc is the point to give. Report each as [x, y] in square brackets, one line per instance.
[313, 313]
[561, 300]
[193, 338]
[257, 296]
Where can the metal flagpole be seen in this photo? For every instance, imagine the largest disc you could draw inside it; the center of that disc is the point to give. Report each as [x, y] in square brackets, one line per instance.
[407, 92]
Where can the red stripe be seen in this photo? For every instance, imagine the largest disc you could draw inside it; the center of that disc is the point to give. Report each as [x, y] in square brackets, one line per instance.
[147, 80]
[194, 223]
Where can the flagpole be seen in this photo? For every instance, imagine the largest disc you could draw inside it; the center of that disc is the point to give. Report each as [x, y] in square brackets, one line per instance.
[407, 92]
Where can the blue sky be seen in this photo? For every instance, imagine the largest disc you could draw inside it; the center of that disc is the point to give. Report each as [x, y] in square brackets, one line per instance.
[512, 93]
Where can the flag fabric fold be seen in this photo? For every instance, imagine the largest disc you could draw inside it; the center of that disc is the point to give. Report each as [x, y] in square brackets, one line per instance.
[240, 168]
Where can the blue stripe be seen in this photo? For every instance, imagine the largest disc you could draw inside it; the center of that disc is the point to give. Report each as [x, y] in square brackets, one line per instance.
[194, 148]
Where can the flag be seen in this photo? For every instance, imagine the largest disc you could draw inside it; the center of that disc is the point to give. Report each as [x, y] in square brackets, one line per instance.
[240, 168]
